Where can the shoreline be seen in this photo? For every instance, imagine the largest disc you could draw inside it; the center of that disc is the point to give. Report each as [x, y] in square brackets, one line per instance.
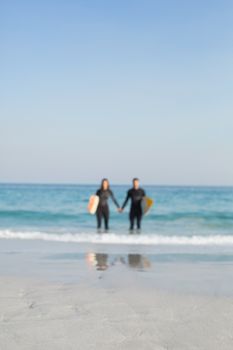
[168, 270]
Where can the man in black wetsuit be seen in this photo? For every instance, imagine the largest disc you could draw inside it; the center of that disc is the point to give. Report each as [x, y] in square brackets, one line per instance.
[136, 195]
[103, 209]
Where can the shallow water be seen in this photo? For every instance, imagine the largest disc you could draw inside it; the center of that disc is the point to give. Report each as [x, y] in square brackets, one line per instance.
[187, 217]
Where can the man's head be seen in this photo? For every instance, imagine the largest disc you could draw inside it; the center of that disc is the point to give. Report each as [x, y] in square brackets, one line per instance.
[136, 183]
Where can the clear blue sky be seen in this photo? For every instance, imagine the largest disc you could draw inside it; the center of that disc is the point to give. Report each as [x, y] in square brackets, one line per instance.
[117, 88]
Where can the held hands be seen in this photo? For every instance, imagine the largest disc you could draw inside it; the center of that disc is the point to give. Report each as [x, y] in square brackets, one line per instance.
[120, 210]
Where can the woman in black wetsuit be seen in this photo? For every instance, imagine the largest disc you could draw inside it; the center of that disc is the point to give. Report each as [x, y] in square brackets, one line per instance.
[103, 209]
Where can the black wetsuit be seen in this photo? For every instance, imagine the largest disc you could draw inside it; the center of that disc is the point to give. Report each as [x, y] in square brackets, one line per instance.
[136, 197]
[103, 208]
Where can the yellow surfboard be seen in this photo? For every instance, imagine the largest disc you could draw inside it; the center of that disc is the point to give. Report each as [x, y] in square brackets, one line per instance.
[146, 205]
[93, 204]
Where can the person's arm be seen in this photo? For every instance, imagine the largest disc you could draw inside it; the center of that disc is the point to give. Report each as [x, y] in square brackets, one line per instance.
[114, 199]
[126, 201]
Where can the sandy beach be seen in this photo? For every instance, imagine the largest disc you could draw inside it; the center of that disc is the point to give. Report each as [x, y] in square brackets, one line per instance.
[60, 303]
[36, 315]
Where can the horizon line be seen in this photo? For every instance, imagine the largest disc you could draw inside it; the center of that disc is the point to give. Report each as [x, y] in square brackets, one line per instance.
[112, 184]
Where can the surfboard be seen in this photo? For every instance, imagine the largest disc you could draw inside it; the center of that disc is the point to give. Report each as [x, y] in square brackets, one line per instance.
[146, 205]
[93, 204]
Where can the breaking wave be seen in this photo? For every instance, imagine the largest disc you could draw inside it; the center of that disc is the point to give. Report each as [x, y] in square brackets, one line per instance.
[112, 238]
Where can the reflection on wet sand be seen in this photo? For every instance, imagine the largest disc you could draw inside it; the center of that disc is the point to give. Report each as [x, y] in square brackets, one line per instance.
[138, 261]
[102, 261]
[97, 260]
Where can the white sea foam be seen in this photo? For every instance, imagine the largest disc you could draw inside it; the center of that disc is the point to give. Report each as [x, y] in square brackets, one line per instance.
[112, 238]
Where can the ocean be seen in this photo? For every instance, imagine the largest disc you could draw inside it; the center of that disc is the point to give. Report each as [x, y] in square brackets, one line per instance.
[181, 216]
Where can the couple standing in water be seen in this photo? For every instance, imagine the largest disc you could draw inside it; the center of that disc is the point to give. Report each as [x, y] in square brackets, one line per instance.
[135, 194]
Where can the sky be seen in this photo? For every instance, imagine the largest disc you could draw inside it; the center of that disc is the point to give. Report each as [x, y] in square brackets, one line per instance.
[118, 89]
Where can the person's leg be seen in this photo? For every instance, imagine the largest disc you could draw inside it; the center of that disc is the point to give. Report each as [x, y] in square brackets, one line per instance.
[131, 219]
[99, 218]
[106, 217]
[139, 219]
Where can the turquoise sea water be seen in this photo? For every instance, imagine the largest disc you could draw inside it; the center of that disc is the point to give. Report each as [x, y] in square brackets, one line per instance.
[180, 215]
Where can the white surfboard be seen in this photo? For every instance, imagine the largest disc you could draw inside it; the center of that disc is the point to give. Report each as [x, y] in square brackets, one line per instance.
[93, 204]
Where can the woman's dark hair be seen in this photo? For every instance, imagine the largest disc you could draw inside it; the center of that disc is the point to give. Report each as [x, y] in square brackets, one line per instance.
[102, 183]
